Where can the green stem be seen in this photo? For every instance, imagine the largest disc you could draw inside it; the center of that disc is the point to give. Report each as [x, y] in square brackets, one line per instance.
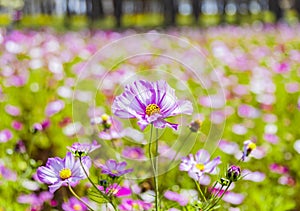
[199, 190]
[153, 168]
[156, 173]
[72, 191]
[101, 193]
[214, 204]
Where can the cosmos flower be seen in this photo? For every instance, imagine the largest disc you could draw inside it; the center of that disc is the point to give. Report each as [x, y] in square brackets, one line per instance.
[116, 190]
[249, 146]
[75, 205]
[63, 172]
[83, 149]
[134, 205]
[150, 103]
[114, 169]
[179, 198]
[199, 164]
[134, 153]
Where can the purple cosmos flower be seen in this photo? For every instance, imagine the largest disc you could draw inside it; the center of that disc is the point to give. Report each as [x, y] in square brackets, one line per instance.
[114, 169]
[199, 165]
[116, 190]
[134, 153]
[62, 172]
[134, 205]
[150, 102]
[5, 135]
[75, 205]
[83, 149]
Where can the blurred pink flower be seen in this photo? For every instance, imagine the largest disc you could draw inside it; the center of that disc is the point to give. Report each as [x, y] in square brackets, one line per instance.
[5, 135]
[12, 110]
[54, 107]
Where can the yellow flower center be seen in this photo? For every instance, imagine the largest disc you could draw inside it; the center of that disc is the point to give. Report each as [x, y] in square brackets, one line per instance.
[104, 117]
[65, 173]
[77, 207]
[200, 166]
[152, 109]
[252, 146]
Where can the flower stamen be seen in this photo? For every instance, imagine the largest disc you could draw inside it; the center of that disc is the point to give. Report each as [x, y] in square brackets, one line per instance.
[152, 109]
[200, 166]
[65, 173]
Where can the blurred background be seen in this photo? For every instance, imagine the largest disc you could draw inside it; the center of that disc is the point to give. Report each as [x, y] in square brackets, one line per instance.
[77, 14]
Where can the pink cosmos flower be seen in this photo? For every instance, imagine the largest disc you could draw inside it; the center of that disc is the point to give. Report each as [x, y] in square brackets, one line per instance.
[5, 135]
[134, 205]
[116, 190]
[173, 196]
[75, 205]
[150, 103]
[54, 107]
[63, 172]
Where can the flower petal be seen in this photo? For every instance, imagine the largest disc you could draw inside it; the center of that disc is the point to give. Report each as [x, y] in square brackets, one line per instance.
[202, 156]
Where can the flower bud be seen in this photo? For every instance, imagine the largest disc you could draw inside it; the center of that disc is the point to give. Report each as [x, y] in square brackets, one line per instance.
[195, 125]
[233, 173]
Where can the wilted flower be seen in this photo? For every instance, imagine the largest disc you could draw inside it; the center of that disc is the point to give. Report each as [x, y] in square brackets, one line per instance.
[83, 149]
[62, 172]
[75, 205]
[150, 103]
[114, 169]
[134, 205]
[249, 146]
[233, 173]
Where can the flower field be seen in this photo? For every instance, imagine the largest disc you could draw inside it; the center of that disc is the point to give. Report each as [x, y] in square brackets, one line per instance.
[178, 119]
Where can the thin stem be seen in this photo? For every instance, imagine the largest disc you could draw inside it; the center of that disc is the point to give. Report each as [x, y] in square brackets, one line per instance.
[199, 190]
[101, 193]
[156, 173]
[72, 191]
[214, 204]
[153, 168]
